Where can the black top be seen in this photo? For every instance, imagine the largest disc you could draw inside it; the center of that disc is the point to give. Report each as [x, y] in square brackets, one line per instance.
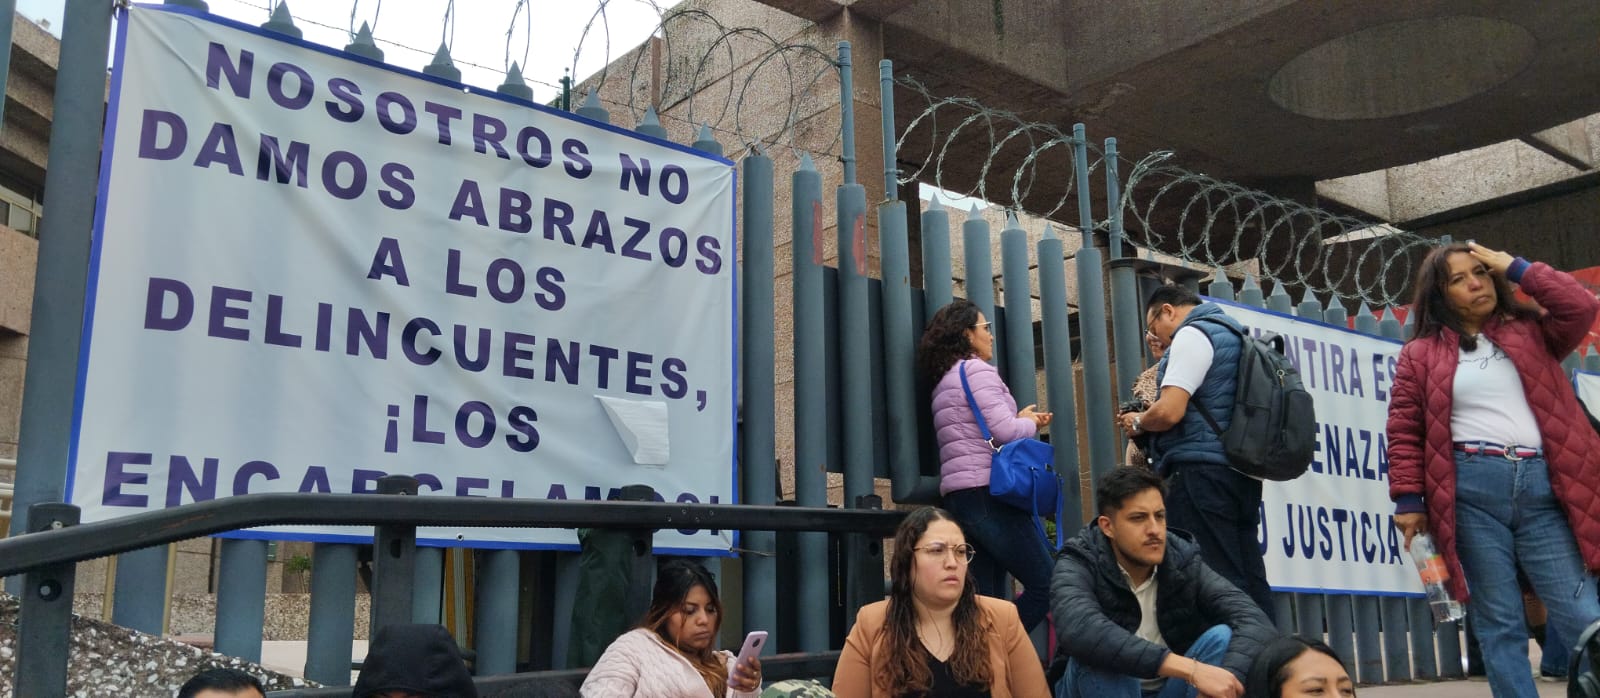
[944, 682]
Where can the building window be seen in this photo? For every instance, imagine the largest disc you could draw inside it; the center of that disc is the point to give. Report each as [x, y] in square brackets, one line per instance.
[20, 208]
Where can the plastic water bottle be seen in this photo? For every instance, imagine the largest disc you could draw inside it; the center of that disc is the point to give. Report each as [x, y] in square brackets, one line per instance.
[1430, 565]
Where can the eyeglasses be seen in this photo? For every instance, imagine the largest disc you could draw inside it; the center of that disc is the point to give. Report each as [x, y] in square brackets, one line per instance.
[981, 326]
[937, 551]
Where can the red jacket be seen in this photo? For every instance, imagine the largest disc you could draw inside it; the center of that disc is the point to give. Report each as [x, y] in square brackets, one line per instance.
[1421, 457]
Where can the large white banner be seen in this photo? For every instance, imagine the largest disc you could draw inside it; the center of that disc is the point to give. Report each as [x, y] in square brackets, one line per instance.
[310, 271]
[1332, 530]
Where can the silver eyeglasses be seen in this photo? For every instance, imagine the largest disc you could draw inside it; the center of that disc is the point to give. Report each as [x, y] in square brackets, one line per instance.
[963, 552]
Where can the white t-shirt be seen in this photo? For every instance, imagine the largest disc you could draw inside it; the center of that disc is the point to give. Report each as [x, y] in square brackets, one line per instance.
[1188, 359]
[1149, 629]
[1488, 402]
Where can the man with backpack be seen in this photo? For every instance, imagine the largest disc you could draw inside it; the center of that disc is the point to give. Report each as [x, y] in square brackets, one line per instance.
[1198, 379]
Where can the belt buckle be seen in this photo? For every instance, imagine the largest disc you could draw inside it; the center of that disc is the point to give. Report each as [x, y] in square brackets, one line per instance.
[1511, 454]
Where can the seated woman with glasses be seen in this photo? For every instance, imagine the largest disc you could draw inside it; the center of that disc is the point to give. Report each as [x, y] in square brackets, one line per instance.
[934, 637]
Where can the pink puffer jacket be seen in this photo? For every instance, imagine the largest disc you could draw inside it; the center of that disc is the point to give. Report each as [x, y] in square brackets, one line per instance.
[963, 454]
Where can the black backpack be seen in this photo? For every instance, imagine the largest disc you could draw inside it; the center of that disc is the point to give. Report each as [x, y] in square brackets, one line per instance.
[1273, 435]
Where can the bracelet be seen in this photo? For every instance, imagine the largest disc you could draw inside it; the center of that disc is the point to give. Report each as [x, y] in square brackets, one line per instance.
[1195, 667]
[1136, 428]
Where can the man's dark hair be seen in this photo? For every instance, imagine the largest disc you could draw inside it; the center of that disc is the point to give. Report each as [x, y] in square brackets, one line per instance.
[220, 679]
[1124, 482]
[1176, 296]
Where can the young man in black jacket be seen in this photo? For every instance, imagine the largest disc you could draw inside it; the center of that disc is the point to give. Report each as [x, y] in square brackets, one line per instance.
[1137, 613]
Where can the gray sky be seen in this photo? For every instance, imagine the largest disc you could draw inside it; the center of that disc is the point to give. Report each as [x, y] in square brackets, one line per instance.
[409, 31]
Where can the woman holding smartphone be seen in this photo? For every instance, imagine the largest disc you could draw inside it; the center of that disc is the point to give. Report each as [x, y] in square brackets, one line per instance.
[671, 654]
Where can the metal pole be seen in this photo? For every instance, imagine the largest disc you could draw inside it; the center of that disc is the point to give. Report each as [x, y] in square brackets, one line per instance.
[141, 577]
[847, 113]
[241, 598]
[331, 634]
[810, 414]
[900, 325]
[975, 244]
[937, 286]
[1059, 390]
[427, 594]
[393, 560]
[62, 272]
[1369, 660]
[1098, 401]
[855, 342]
[1341, 629]
[1127, 317]
[45, 619]
[758, 439]
[1396, 652]
[495, 627]
[891, 172]
[8, 8]
[1017, 289]
[1427, 667]
[1341, 607]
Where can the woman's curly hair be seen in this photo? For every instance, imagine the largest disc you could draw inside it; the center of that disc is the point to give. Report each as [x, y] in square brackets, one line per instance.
[944, 342]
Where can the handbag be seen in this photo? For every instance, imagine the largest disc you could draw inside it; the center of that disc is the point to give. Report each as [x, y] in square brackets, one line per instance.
[1021, 473]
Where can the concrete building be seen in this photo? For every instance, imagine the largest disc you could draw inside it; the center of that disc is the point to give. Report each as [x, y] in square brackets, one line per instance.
[1441, 118]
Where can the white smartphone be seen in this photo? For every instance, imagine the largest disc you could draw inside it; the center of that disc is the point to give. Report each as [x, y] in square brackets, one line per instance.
[752, 646]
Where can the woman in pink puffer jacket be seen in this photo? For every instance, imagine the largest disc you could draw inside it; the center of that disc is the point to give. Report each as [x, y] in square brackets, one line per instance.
[1007, 541]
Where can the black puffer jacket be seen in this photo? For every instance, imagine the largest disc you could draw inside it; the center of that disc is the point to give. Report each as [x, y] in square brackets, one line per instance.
[1096, 614]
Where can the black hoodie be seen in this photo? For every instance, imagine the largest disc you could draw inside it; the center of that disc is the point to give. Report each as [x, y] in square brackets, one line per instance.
[420, 659]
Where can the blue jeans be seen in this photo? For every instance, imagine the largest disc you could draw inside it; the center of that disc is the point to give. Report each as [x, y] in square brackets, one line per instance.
[1555, 653]
[1008, 542]
[1084, 682]
[1507, 517]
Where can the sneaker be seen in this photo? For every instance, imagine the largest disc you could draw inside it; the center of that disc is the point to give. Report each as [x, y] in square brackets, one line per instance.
[1551, 678]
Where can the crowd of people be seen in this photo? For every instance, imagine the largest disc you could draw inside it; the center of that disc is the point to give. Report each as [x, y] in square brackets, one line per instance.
[1165, 593]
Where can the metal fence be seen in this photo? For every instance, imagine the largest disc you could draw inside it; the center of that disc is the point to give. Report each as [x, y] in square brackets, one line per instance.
[857, 403]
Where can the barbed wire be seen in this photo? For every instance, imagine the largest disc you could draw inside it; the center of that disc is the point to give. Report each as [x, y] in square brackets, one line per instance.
[1209, 222]
[688, 68]
[757, 90]
[995, 131]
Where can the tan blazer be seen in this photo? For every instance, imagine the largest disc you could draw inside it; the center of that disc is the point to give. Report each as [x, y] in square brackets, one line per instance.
[1017, 671]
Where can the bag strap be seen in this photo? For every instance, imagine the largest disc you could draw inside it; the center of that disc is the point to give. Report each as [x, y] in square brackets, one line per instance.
[972, 403]
[1201, 406]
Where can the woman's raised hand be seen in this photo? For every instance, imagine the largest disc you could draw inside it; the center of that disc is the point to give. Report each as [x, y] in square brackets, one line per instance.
[1497, 261]
[1040, 418]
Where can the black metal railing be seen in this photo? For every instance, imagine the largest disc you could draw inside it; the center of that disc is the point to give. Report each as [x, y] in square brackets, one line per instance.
[48, 553]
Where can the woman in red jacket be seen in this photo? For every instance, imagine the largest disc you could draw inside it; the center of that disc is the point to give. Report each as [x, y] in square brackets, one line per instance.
[1489, 450]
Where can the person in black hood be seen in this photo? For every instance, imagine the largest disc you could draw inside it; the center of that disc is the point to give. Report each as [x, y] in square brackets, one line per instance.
[414, 661]
[1137, 611]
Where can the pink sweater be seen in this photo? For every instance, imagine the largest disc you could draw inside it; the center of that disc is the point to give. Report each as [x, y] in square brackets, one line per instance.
[640, 665]
[963, 454]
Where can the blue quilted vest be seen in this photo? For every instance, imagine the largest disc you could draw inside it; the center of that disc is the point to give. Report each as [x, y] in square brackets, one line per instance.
[1192, 440]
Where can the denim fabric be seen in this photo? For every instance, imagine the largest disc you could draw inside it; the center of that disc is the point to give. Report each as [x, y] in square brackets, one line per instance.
[1221, 509]
[1008, 542]
[1083, 682]
[1554, 654]
[1507, 517]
